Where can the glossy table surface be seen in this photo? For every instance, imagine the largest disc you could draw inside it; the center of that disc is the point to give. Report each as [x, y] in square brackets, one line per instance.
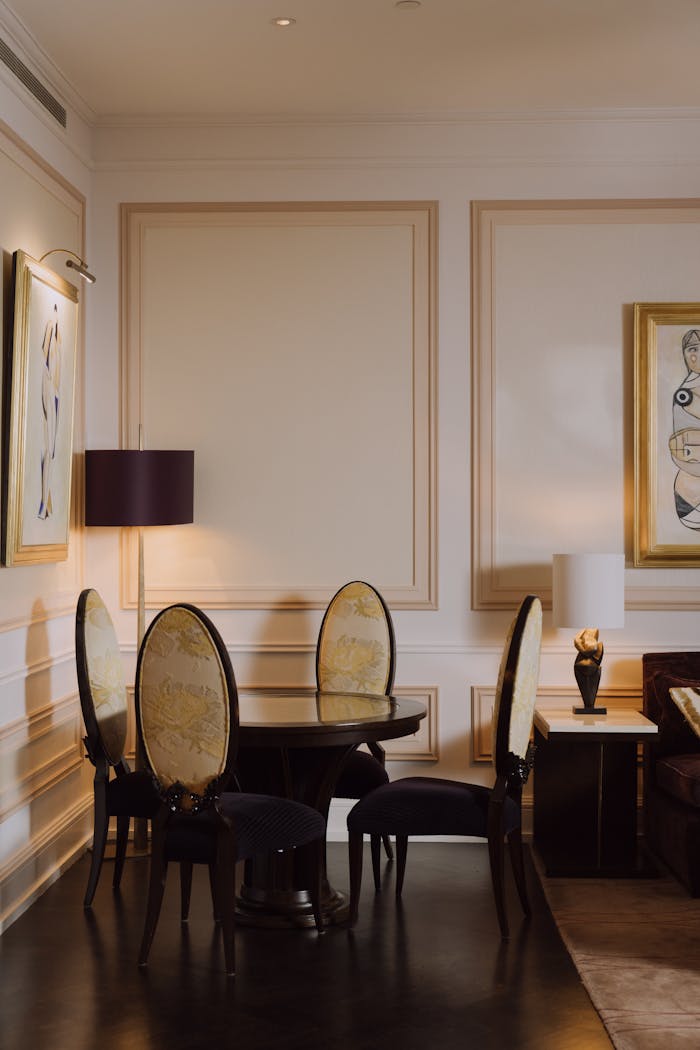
[310, 717]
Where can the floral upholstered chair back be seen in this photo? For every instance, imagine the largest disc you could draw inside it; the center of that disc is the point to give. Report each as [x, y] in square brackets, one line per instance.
[356, 651]
[100, 678]
[187, 706]
[516, 692]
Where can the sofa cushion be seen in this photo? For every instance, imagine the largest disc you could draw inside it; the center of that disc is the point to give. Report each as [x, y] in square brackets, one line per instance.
[675, 734]
[687, 700]
[679, 775]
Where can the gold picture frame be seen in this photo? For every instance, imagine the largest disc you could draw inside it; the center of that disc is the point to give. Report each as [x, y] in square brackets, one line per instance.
[667, 435]
[39, 392]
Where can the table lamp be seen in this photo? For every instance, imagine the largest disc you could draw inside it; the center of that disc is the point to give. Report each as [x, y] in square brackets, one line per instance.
[588, 589]
[129, 487]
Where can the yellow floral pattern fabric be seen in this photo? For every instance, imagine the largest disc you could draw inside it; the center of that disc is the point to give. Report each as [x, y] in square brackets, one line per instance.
[184, 703]
[688, 703]
[106, 675]
[525, 680]
[354, 650]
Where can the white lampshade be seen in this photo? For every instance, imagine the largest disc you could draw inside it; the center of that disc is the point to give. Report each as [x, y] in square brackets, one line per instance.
[588, 590]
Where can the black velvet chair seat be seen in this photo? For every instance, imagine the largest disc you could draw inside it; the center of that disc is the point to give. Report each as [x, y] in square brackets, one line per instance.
[429, 806]
[133, 795]
[361, 774]
[260, 824]
[679, 775]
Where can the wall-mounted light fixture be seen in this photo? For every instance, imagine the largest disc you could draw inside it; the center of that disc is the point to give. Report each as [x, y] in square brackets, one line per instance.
[75, 263]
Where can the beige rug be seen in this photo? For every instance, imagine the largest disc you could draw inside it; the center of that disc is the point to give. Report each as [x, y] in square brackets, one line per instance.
[636, 945]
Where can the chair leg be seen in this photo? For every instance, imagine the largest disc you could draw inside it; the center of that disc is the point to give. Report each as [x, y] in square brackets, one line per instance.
[225, 878]
[315, 880]
[355, 851]
[515, 845]
[185, 889]
[156, 887]
[496, 858]
[388, 849]
[216, 911]
[122, 842]
[401, 851]
[375, 844]
[99, 841]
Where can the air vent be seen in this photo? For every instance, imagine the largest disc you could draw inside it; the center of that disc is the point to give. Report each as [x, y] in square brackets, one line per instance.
[40, 93]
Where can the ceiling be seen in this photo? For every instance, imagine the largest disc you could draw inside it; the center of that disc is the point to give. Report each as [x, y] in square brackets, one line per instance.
[344, 59]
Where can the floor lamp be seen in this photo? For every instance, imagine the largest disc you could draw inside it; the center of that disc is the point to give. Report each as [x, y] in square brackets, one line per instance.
[136, 488]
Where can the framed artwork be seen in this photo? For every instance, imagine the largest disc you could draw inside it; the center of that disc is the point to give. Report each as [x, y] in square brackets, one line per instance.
[39, 385]
[667, 434]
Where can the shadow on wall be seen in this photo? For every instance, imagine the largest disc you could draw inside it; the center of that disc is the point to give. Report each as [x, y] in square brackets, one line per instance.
[37, 701]
[284, 649]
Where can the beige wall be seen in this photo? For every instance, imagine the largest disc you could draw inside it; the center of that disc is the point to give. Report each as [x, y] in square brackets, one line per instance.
[545, 279]
[44, 799]
[448, 654]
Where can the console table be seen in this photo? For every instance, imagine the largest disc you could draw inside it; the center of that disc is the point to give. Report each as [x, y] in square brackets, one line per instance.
[585, 785]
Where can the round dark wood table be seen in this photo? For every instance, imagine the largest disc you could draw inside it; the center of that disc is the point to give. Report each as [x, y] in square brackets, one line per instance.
[293, 743]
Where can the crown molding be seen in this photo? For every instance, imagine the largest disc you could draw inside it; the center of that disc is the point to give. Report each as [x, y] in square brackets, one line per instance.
[419, 119]
[24, 44]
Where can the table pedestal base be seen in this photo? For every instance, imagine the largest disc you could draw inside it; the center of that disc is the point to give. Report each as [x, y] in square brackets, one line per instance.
[287, 908]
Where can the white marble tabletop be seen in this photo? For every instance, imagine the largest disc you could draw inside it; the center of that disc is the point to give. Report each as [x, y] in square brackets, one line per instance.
[563, 720]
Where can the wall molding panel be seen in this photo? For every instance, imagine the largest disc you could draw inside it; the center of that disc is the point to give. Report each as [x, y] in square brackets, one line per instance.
[42, 860]
[483, 699]
[530, 330]
[38, 752]
[424, 745]
[294, 302]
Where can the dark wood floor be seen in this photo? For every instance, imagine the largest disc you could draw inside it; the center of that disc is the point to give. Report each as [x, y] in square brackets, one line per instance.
[430, 976]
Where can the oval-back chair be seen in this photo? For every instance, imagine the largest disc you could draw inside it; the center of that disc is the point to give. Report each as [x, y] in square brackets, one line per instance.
[102, 689]
[356, 653]
[432, 806]
[187, 713]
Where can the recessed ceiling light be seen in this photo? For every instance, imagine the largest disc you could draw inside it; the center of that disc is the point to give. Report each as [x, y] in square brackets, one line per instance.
[283, 22]
[407, 5]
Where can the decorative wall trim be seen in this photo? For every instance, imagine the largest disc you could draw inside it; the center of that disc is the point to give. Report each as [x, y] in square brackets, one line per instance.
[448, 119]
[39, 752]
[483, 699]
[27, 873]
[493, 583]
[424, 745]
[406, 232]
[24, 671]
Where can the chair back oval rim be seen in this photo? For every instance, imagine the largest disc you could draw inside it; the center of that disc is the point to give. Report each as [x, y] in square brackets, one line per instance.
[530, 606]
[97, 743]
[220, 781]
[389, 625]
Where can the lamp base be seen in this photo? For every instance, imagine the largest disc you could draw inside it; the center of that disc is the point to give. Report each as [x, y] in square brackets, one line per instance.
[590, 710]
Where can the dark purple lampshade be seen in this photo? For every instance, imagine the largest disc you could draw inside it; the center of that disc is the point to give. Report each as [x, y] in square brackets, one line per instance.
[131, 487]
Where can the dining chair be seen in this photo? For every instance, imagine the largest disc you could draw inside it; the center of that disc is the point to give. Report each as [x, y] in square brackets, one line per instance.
[102, 690]
[430, 806]
[187, 717]
[356, 653]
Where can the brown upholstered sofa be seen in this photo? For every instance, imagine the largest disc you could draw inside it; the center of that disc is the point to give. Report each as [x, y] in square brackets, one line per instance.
[672, 768]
